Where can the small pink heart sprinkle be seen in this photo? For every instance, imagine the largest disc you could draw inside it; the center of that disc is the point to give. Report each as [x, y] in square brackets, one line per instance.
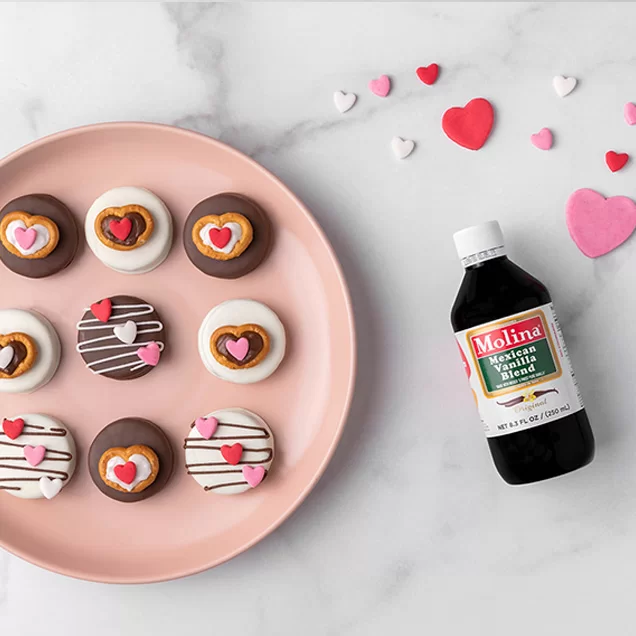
[150, 354]
[25, 238]
[380, 86]
[34, 454]
[238, 348]
[542, 140]
[629, 111]
[206, 426]
[253, 475]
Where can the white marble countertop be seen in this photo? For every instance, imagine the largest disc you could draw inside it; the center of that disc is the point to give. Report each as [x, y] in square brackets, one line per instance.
[410, 526]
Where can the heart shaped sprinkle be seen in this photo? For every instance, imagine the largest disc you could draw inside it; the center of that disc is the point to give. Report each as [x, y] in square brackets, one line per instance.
[428, 74]
[206, 426]
[598, 225]
[238, 348]
[380, 86]
[542, 140]
[220, 237]
[34, 454]
[150, 354]
[50, 487]
[120, 228]
[616, 160]
[253, 475]
[563, 85]
[126, 472]
[629, 112]
[469, 126]
[102, 310]
[344, 101]
[25, 237]
[402, 148]
[232, 454]
[126, 332]
[6, 355]
[13, 428]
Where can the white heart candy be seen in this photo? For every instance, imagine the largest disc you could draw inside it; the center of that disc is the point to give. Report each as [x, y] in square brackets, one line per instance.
[6, 355]
[344, 101]
[50, 487]
[126, 332]
[402, 148]
[563, 85]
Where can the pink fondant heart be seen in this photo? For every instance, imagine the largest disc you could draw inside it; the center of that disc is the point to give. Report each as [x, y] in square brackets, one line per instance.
[542, 140]
[34, 454]
[629, 111]
[598, 225]
[25, 238]
[238, 348]
[253, 475]
[150, 354]
[380, 86]
[206, 426]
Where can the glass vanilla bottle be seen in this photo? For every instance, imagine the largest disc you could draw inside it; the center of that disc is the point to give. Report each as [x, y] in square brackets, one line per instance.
[517, 364]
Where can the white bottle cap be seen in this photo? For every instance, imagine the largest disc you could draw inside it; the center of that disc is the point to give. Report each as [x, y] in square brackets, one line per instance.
[479, 243]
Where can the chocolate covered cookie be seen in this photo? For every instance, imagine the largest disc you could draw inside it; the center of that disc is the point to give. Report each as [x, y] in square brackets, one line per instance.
[121, 337]
[38, 235]
[131, 459]
[227, 235]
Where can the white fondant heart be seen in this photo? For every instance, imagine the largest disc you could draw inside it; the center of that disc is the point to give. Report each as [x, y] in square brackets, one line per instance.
[127, 332]
[6, 355]
[563, 85]
[344, 101]
[50, 487]
[234, 228]
[41, 240]
[402, 148]
[144, 470]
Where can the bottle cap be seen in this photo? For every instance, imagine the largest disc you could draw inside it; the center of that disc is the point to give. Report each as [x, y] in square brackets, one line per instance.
[479, 243]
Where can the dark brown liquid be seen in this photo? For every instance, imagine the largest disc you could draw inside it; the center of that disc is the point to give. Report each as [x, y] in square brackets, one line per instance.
[496, 289]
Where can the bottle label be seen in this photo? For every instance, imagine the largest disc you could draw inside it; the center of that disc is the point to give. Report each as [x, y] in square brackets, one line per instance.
[519, 371]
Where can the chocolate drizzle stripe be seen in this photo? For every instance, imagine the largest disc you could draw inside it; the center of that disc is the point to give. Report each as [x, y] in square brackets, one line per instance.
[232, 483]
[210, 472]
[245, 450]
[253, 428]
[48, 450]
[68, 458]
[61, 473]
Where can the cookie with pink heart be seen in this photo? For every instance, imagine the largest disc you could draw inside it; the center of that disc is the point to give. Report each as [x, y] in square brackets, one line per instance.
[229, 451]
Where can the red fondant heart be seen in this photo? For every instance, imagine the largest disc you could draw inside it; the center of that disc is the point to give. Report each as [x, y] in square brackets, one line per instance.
[220, 237]
[428, 74]
[126, 472]
[616, 160]
[469, 126]
[232, 454]
[13, 428]
[120, 228]
[102, 309]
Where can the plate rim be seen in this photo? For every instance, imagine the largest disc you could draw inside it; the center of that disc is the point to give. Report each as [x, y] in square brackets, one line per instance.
[344, 288]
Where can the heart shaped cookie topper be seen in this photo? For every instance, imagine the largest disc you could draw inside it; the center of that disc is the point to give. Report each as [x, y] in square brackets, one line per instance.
[102, 310]
[232, 454]
[220, 237]
[13, 428]
[380, 86]
[206, 426]
[542, 139]
[150, 354]
[50, 487]
[563, 85]
[253, 475]
[428, 74]
[471, 125]
[25, 237]
[344, 101]
[402, 148]
[6, 356]
[28, 236]
[34, 454]
[126, 472]
[238, 348]
[126, 332]
[598, 225]
[615, 160]
[120, 228]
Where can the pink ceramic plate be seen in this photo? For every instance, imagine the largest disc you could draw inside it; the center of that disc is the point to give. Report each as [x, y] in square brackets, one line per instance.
[183, 529]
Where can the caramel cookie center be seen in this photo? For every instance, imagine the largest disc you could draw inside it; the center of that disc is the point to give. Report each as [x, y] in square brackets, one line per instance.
[124, 228]
[240, 347]
[17, 355]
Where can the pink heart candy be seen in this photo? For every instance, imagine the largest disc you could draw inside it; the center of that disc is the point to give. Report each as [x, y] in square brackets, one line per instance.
[25, 237]
[206, 426]
[629, 111]
[238, 348]
[34, 454]
[253, 475]
[598, 225]
[542, 140]
[150, 354]
[380, 86]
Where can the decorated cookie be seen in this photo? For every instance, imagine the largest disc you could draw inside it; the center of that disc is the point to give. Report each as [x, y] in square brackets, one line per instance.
[129, 229]
[29, 351]
[130, 460]
[242, 341]
[229, 451]
[227, 236]
[37, 456]
[120, 337]
[38, 235]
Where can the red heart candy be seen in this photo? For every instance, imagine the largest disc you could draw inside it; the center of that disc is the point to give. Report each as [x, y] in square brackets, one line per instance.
[615, 160]
[428, 74]
[469, 126]
[126, 472]
[13, 428]
[120, 228]
[102, 310]
[220, 237]
[232, 454]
